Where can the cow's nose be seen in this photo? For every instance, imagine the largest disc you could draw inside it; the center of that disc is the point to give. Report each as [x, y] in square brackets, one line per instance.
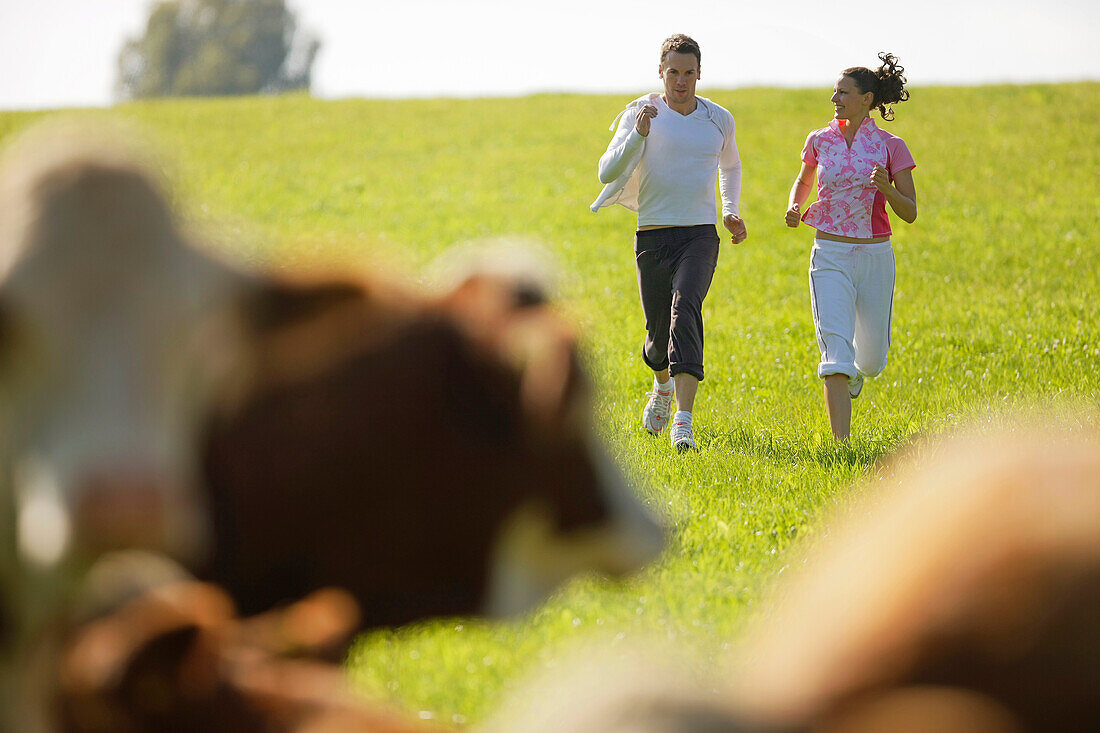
[121, 509]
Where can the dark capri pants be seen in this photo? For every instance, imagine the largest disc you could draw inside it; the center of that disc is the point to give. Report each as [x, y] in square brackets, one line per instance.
[675, 268]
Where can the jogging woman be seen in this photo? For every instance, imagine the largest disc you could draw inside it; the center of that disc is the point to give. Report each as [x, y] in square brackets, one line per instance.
[859, 169]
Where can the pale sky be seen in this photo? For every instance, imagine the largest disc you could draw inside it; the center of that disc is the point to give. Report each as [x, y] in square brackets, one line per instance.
[63, 53]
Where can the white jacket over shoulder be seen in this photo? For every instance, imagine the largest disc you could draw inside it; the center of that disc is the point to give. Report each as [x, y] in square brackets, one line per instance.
[668, 177]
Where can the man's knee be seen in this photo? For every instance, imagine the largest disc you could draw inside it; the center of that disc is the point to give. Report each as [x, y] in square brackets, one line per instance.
[687, 318]
[695, 370]
[656, 364]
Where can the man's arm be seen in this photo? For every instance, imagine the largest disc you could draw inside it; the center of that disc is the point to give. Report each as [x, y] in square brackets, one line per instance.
[729, 185]
[628, 138]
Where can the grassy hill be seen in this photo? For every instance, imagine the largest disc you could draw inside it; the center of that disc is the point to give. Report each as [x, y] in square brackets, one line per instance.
[995, 307]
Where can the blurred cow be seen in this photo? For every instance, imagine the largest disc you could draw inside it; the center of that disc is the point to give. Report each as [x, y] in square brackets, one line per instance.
[433, 458]
[960, 594]
[964, 588]
[433, 455]
[177, 658]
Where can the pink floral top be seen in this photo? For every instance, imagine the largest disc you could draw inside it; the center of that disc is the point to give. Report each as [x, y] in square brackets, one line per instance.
[848, 204]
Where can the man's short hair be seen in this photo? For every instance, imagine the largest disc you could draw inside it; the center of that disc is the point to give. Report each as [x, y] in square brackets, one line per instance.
[679, 43]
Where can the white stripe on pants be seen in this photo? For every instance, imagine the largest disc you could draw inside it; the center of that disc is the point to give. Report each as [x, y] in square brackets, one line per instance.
[852, 296]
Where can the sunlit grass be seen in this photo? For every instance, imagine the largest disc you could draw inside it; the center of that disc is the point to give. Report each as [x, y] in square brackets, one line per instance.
[996, 307]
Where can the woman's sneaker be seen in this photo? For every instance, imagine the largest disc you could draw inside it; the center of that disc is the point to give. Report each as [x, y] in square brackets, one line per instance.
[855, 386]
[657, 410]
[682, 437]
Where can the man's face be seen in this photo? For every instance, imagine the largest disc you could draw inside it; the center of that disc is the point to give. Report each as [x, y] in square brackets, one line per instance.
[680, 72]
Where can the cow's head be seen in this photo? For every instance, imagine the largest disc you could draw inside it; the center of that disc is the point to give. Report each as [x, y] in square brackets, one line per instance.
[577, 512]
[436, 456]
[113, 336]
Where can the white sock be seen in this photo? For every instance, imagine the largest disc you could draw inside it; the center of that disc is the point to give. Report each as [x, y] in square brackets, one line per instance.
[666, 387]
[682, 416]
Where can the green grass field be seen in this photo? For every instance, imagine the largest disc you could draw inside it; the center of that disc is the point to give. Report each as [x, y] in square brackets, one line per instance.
[995, 308]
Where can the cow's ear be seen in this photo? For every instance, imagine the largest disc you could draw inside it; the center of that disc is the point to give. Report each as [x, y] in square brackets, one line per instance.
[555, 386]
[513, 318]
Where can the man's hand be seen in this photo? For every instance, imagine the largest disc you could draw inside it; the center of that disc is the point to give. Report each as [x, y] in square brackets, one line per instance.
[645, 114]
[793, 216]
[736, 228]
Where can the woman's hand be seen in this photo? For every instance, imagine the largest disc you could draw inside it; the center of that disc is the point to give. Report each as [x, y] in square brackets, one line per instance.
[880, 178]
[794, 216]
[799, 193]
[901, 195]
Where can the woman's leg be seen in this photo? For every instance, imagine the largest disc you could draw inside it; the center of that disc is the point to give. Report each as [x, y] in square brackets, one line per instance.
[838, 405]
[874, 311]
[832, 297]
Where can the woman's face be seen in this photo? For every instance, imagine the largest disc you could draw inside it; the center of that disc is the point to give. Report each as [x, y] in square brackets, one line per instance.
[848, 102]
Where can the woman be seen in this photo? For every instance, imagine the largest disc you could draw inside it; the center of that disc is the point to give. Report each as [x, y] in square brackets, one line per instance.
[860, 169]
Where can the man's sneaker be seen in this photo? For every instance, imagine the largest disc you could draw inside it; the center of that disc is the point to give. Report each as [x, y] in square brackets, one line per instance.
[657, 410]
[855, 386]
[681, 435]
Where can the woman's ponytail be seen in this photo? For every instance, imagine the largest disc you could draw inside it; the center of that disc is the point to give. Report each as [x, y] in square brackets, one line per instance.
[889, 85]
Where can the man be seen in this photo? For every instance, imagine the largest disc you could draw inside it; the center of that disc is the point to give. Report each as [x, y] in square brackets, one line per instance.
[662, 163]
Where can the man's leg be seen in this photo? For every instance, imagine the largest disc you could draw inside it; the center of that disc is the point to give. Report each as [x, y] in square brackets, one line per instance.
[655, 289]
[697, 258]
[686, 387]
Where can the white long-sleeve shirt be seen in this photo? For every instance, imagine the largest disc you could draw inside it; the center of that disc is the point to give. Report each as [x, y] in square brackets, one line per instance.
[668, 176]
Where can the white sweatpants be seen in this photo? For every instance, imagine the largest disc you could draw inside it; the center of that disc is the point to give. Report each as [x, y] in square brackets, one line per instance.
[852, 296]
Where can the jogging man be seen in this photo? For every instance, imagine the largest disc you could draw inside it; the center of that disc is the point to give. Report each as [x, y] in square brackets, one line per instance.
[662, 163]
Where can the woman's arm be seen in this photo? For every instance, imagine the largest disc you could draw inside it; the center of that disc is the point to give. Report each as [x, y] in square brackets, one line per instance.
[800, 191]
[902, 195]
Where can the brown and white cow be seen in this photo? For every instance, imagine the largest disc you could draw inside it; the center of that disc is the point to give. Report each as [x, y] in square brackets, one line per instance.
[433, 455]
[435, 460]
[178, 658]
[960, 593]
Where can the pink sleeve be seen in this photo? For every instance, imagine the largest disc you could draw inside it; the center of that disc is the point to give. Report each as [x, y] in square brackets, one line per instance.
[809, 153]
[899, 157]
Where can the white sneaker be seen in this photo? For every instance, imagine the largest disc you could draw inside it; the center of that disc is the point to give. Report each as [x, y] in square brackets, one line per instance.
[855, 386]
[657, 410]
[682, 437]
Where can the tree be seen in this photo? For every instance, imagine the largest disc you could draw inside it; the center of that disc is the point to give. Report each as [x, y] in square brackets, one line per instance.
[217, 47]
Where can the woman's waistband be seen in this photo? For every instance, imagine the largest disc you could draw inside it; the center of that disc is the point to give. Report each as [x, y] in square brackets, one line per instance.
[829, 244]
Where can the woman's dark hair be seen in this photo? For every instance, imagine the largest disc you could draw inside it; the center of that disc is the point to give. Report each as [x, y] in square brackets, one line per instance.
[887, 83]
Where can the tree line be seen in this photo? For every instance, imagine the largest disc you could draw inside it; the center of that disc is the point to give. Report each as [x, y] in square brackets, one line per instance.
[217, 47]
